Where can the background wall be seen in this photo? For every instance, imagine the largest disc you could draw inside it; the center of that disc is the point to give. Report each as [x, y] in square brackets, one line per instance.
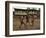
[2, 19]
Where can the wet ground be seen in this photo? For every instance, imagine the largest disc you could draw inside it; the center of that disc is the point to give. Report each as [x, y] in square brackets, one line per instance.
[19, 24]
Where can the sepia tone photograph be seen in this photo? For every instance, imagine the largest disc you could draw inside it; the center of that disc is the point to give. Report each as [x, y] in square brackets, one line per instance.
[26, 19]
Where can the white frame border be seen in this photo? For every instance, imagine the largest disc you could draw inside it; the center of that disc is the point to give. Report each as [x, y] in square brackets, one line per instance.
[11, 32]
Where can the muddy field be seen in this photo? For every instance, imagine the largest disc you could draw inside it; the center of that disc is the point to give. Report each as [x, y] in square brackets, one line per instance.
[20, 23]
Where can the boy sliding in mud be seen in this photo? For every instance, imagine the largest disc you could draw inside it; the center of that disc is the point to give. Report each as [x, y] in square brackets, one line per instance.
[25, 22]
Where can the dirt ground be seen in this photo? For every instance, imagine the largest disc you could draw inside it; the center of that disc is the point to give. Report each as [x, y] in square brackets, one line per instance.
[17, 25]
